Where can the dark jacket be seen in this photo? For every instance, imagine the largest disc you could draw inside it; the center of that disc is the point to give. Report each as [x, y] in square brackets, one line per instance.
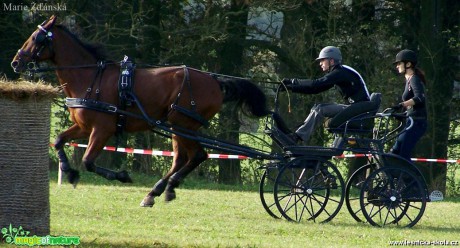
[345, 79]
[416, 91]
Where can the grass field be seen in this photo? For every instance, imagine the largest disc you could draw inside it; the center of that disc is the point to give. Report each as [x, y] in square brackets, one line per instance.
[107, 214]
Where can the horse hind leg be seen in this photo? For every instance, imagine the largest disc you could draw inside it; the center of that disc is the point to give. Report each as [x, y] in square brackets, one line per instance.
[179, 160]
[197, 155]
[158, 189]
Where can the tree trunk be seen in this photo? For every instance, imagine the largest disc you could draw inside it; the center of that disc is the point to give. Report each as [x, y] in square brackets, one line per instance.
[436, 60]
[230, 58]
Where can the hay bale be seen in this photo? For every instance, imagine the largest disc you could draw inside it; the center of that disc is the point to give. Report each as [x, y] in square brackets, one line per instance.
[24, 165]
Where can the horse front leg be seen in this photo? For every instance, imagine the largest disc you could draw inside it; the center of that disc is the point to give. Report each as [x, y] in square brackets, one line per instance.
[96, 143]
[74, 132]
[179, 160]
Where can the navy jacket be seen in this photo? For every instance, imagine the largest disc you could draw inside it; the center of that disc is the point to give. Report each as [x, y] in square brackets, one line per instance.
[345, 79]
[415, 90]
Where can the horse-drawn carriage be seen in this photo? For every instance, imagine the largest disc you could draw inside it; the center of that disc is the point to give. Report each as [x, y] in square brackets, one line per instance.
[300, 183]
[306, 186]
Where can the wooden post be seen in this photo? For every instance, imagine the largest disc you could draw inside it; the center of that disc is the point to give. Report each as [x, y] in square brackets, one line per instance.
[24, 153]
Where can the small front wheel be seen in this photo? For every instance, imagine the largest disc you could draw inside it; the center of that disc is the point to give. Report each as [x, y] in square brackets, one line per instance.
[266, 186]
[353, 190]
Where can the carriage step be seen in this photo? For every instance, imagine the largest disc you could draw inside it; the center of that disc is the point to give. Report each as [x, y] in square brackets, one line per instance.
[436, 195]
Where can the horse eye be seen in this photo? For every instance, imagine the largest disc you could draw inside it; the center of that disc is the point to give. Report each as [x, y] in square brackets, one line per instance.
[40, 37]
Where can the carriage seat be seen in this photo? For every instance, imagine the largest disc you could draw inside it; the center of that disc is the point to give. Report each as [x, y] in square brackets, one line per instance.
[357, 118]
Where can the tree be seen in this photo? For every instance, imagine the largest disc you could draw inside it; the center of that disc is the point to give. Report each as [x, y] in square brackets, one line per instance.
[437, 58]
[230, 57]
[13, 32]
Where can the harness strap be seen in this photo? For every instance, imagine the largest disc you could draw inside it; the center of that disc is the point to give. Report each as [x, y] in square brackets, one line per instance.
[125, 90]
[192, 114]
[100, 70]
[90, 104]
[187, 78]
[192, 111]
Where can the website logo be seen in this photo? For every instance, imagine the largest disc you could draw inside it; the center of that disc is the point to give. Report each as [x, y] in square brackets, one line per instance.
[19, 236]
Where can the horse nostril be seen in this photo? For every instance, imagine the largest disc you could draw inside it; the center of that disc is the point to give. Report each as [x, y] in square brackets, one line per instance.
[31, 65]
[15, 64]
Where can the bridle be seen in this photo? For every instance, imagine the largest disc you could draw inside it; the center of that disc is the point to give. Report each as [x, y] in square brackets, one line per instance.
[43, 39]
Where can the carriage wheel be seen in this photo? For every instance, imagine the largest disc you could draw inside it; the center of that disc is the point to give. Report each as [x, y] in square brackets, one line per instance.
[309, 190]
[353, 190]
[393, 196]
[266, 186]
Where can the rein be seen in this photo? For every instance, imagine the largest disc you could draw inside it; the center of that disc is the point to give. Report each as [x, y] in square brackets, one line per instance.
[36, 69]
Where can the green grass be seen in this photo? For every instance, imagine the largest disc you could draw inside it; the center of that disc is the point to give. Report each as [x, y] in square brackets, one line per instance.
[107, 214]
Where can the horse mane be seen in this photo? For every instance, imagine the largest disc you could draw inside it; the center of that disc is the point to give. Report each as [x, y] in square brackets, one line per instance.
[96, 49]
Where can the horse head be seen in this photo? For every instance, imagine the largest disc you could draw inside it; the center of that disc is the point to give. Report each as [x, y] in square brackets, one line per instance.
[38, 47]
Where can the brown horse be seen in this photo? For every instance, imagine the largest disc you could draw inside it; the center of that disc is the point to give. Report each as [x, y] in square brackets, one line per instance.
[82, 75]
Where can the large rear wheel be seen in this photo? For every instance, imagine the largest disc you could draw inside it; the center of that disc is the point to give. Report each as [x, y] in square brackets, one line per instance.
[307, 189]
[393, 196]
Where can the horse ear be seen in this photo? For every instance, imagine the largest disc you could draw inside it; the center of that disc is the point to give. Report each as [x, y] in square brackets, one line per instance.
[52, 20]
[50, 23]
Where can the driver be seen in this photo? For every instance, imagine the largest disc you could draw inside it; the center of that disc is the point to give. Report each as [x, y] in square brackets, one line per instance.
[345, 79]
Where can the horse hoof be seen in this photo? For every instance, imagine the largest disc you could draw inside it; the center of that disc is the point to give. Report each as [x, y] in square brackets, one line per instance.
[123, 176]
[148, 201]
[169, 196]
[73, 176]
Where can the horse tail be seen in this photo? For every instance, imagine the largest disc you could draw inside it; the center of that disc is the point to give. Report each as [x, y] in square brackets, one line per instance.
[248, 96]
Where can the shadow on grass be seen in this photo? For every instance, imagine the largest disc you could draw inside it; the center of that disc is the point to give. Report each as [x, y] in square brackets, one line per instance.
[142, 180]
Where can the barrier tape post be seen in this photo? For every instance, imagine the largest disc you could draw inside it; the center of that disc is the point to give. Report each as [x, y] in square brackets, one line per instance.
[59, 175]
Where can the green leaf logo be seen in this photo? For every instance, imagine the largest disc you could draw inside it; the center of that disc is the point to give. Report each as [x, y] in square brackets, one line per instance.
[10, 233]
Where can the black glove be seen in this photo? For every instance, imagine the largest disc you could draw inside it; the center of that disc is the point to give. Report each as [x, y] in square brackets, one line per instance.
[287, 81]
[287, 84]
[397, 107]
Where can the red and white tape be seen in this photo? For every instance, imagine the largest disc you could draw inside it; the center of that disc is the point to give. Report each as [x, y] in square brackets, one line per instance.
[434, 160]
[157, 153]
[228, 156]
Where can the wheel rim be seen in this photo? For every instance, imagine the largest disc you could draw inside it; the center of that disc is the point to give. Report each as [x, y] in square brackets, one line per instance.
[302, 193]
[266, 187]
[393, 196]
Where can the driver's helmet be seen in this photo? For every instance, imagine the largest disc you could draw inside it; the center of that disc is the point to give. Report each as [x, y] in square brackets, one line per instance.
[406, 55]
[330, 52]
